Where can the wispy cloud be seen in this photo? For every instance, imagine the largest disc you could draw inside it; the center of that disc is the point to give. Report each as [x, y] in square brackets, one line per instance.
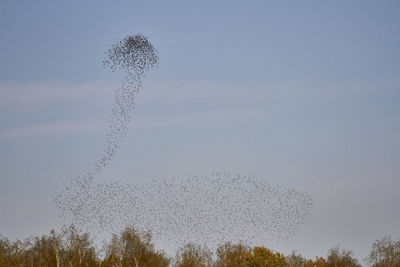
[81, 127]
[26, 95]
[34, 94]
[52, 129]
[160, 103]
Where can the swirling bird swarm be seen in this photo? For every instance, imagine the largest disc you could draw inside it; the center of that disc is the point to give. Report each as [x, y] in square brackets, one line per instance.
[133, 56]
[201, 209]
[208, 209]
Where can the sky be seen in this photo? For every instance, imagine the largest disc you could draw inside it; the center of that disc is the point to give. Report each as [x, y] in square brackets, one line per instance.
[303, 94]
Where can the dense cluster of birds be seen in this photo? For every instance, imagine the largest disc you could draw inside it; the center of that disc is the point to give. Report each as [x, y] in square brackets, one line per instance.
[133, 56]
[203, 209]
[208, 209]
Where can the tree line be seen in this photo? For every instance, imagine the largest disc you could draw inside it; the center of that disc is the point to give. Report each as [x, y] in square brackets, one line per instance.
[131, 248]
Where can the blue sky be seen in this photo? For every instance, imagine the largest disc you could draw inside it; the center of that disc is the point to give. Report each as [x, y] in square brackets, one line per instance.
[304, 94]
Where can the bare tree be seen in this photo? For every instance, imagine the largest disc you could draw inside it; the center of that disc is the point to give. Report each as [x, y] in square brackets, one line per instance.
[133, 249]
[231, 255]
[342, 258]
[79, 250]
[295, 260]
[385, 252]
[191, 255]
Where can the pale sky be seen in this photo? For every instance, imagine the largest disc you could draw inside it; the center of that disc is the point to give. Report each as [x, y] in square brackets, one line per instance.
[303, 94]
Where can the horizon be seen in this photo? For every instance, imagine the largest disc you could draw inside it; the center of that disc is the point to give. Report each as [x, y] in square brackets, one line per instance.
[300, 95]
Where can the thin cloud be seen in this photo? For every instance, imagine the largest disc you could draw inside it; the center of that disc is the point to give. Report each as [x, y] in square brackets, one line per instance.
[57, 128]
[27, 95]
[81, 127]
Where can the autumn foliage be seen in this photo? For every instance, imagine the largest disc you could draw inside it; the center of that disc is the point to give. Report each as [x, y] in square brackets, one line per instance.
[132, 248]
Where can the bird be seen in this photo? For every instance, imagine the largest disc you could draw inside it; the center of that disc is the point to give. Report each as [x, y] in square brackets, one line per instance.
[209, 209]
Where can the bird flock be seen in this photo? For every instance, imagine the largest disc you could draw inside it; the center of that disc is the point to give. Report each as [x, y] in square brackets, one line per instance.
[133, 56]
[208, 210]
[202, 209]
